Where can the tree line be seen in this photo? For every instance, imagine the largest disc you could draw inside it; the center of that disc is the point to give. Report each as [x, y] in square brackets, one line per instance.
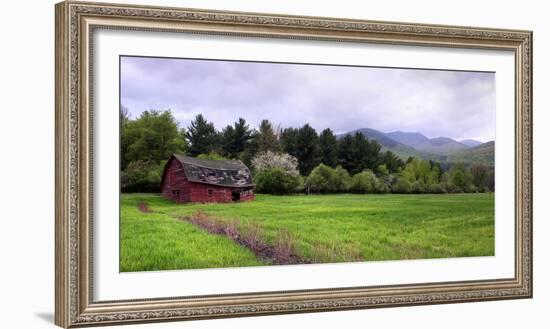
[285, 160]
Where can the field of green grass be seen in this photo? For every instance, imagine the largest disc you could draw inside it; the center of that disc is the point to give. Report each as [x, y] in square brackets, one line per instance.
[323, 228]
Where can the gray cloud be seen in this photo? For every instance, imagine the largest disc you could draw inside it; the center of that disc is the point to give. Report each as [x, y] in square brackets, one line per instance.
[435, 103]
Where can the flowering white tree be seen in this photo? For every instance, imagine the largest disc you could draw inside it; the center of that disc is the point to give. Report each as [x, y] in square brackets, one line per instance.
[269, 160]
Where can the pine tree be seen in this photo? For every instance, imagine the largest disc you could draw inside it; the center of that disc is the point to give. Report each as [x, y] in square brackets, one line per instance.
[346, 154]
[307, 149]
[202, 136]
[328, 148]
[265, 138]
[288, 140]
[235, 138]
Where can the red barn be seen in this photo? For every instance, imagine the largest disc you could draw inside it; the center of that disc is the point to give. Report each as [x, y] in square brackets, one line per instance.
[188, 179]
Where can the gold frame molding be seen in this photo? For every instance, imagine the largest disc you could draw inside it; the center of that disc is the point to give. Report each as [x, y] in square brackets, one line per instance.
[75, 23]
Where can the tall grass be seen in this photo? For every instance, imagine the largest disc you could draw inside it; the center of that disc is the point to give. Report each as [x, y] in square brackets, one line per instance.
[319, 228]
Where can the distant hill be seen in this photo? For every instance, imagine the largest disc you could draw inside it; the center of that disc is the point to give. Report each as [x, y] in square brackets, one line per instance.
[409, 139]
[438, 146]
[379, 136]
[442, 149]
[483, 153]
[442, 145]
[402, 150]
[470, 142]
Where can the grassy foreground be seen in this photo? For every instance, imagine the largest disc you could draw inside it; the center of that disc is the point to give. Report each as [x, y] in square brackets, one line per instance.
[323, 228]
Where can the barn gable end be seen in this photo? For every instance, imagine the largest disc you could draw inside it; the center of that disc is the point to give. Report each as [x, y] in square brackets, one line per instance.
[174, 182]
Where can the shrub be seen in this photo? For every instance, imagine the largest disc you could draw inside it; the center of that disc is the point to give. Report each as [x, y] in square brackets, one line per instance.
[460, 177]
[276, 181]
[364, 182]
[141, 176]
[418, 187]
[402, 185]
[321, 179]
[471, 188]
[324, 179]
[436, 188]
[382, 170]
[382, 187]
[451, 188]
[341, 180]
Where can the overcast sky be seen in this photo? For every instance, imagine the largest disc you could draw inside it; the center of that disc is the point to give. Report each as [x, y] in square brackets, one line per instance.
[435, 103]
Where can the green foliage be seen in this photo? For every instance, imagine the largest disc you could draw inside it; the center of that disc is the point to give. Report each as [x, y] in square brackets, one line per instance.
[142, 176]
[382, 170]
[324, 228]
[484, 154]
[307, 149]
[288, 140]
[211, 156]
[356, 153]
[320, 179]
[480, 176]
[402, 185]
[341, 180]
[202, 136]
[236, 138]
[328, 148]
[276, 181]
[324, 179]
[461, 178]
[154, 136]
[364, 182]
[346, 154]
[265, 139]
[436, 188]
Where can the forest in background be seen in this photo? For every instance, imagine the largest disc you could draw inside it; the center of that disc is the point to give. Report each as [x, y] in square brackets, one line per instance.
[287, 160]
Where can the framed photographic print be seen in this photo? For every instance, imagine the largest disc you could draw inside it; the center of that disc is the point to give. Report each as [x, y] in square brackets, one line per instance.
[217, 164]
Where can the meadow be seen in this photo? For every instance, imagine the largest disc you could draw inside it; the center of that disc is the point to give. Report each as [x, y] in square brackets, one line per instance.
[319, 229]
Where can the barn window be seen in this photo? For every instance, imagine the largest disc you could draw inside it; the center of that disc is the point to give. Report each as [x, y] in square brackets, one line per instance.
[175, 192]
[210, 192]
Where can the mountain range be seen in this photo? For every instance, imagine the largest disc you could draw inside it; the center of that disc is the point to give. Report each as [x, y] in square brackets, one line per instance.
[442, 149]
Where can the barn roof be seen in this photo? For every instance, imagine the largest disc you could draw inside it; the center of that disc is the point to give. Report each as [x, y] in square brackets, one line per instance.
[230, 173]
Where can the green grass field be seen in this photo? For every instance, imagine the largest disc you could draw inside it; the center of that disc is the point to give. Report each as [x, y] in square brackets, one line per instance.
[323, 228]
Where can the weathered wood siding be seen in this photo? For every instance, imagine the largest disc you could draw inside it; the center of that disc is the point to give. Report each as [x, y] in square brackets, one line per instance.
[209, 193]
[175, 185]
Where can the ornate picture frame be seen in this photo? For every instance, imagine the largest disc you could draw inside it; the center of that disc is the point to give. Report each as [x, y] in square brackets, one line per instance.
[75, 24]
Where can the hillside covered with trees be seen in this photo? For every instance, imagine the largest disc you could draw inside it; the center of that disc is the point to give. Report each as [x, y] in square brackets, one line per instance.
[290, 160]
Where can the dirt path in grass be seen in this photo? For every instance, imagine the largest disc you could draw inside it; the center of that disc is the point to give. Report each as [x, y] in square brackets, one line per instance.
[280, 253]
[249, 236]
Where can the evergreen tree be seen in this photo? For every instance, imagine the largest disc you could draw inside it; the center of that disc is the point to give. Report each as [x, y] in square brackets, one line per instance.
[307, 149]
[328, 148]
[235, 138]
[202, 136]
[371, 159]
[361, 148]
[265, 138]
[288, 140]
[392, 161]
[346, 154]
